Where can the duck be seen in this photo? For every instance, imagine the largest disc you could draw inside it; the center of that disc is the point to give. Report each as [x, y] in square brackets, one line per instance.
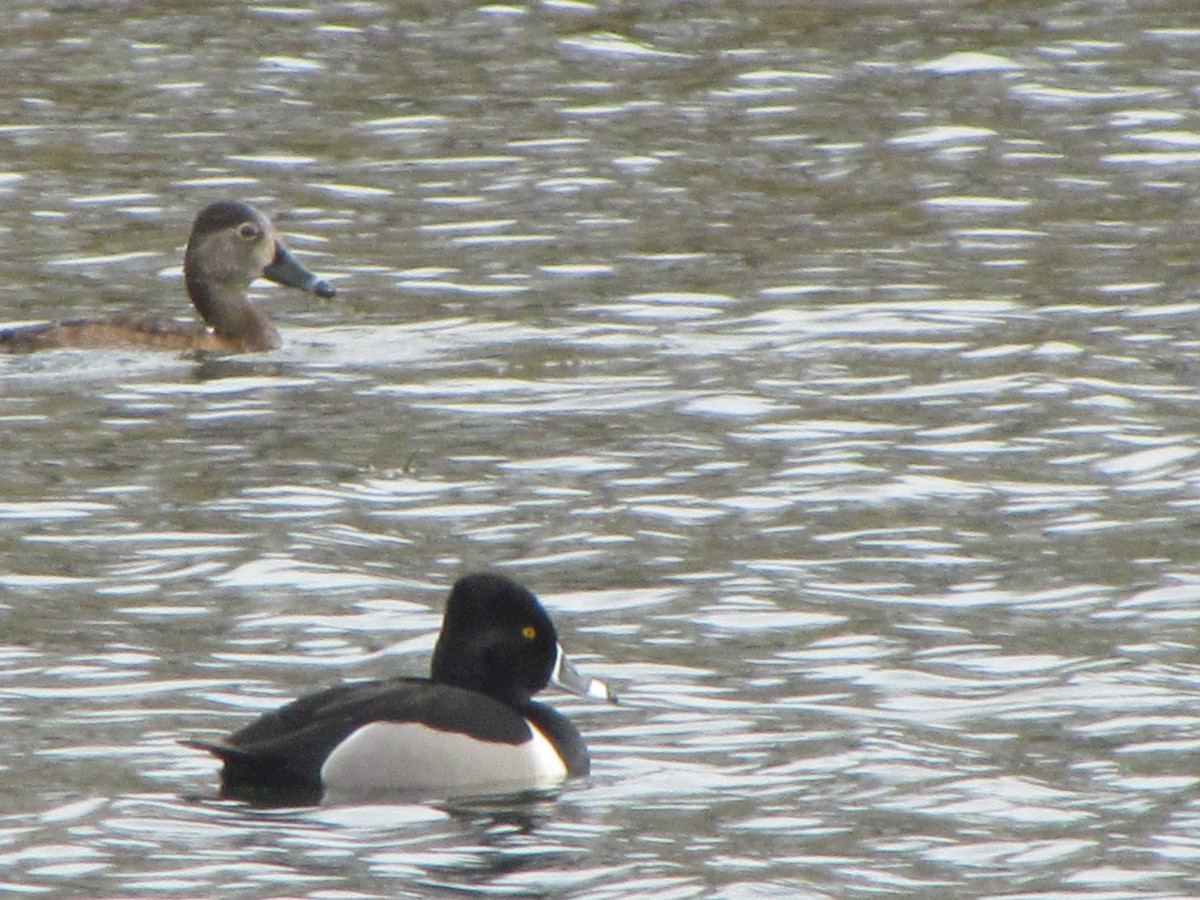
[231, 244]
[470, 728]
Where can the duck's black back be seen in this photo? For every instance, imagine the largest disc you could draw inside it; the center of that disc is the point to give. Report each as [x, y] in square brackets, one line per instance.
[288, 747]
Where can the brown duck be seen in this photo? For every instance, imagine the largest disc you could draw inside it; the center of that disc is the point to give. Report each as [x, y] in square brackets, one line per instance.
[231, 244]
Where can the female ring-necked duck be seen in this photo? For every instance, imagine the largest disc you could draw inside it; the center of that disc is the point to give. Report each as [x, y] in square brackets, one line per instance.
[231, 244]
[472, 726]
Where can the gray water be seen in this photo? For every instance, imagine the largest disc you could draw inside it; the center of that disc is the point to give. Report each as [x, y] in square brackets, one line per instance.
[829, 370]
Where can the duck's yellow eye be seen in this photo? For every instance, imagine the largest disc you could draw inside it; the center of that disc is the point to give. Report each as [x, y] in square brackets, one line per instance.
[529, 632]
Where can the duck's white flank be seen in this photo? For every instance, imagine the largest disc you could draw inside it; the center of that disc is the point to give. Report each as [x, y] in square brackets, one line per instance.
[406, 755]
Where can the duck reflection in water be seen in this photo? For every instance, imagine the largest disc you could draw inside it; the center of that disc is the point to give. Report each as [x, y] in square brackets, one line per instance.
[231, 244]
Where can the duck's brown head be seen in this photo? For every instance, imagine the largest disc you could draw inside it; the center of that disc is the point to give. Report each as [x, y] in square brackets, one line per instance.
[231, 244]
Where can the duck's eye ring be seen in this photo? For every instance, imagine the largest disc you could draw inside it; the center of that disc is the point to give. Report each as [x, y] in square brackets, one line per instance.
[248, 231]
[529, 632]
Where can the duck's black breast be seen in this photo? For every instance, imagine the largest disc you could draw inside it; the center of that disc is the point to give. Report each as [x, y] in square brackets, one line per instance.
[452, 735]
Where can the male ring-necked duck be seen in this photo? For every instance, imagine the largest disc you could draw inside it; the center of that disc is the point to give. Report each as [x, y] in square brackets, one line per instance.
[231, 244]
[472, 727]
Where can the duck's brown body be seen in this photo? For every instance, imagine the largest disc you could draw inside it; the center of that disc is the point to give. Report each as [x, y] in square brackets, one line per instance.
[231, 244]
[147, 330]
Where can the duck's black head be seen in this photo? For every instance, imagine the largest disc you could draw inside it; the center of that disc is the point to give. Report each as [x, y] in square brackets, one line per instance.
[496, 639]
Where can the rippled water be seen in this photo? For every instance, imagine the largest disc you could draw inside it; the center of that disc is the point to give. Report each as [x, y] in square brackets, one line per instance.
[828, 370]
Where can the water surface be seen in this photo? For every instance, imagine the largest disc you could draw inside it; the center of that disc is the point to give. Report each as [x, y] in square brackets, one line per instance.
[828, 371]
